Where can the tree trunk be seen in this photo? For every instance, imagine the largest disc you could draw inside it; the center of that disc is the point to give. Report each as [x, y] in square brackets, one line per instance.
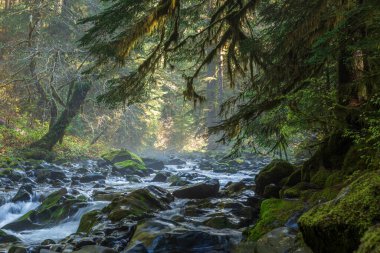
[211, 118]
[57, 131]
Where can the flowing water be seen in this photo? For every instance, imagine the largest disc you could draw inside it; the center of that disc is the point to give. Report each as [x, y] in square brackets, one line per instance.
[12, 211]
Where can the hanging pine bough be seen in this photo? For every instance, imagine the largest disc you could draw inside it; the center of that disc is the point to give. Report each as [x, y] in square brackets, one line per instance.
[274, 50]
[125, 24]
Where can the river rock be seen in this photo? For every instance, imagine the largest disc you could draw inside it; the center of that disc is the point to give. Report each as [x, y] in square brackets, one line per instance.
[273, 173]
[17, 249]
[95, 249]
[47, 242]
[280, 240]
[45, 174]
[139, 204]
[16, 174]
[93, 177]
[125, 162]
[27, 180]
[154, 164]
[176, 161]
[158, 235]
[25, 193]
[160, 177]
[137, 248]
[237, 187]
[198, 191]
[222, 221]
[5, 238]
[271, 191]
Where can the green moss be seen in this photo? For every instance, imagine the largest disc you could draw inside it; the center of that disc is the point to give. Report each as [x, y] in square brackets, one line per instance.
[52, 199]
[136, 205]
[292, 192]
[370, 243]
[320, 177]
[122, 155]
[129, 164]
[320, 196]
[88, 221]
[335, 178]
[354, 159]
[338, 225]
[274, 173]
[273, 213]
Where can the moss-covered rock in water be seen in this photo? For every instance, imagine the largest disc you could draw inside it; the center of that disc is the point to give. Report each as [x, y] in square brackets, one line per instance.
[274, 173]
[139, 204]
[129, 164]
[273, 213]
[88, 221]
[5, 238]
[125, 162]
[55, 208]
[338, 225]
[116, 156]
[370, 243]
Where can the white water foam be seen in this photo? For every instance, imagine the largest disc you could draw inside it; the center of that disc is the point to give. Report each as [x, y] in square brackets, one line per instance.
[12, 211]
[67, 227]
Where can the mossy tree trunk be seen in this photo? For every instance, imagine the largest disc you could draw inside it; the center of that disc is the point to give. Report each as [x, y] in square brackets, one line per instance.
[57, 131]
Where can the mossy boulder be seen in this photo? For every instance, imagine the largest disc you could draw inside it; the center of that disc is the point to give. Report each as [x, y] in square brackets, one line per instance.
[280, 240]
[274, 173]
[294, 178]
[25, 193]
[88, 221]
[273, 213]
[122, 155]
[338, 225]
[5, 238]
[55, 208]
[135, 206]
[139, 204]
[203, 190]
[126, 163]
[370, 243]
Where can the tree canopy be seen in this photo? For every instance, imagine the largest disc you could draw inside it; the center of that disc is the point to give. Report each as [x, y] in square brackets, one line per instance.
[281, 54]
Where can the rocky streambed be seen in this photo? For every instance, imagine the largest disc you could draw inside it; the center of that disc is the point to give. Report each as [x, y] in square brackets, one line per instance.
[124, 204]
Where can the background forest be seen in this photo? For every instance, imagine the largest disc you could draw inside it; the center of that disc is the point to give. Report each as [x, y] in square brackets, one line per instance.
[41, 62]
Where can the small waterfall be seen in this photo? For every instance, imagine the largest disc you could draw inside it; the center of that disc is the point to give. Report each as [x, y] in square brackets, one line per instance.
[67, 227]
[11, 211]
